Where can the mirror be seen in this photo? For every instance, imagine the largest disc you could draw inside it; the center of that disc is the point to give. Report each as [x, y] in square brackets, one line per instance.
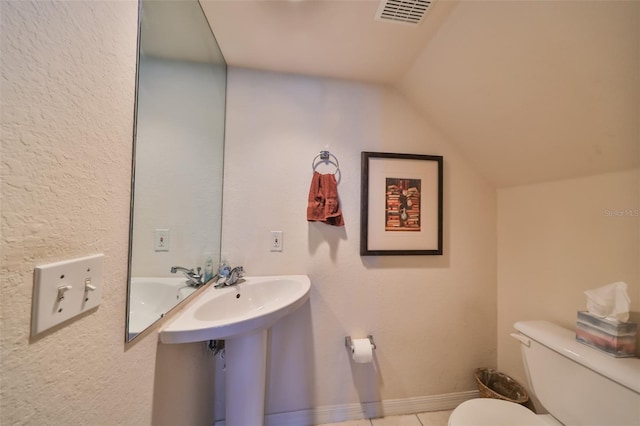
[176, 201]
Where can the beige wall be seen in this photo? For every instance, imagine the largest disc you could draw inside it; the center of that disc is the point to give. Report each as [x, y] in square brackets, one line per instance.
[558, 239]
[65, 193]
[534, 91]
[68, 79]
[433, 317]
[68, 76]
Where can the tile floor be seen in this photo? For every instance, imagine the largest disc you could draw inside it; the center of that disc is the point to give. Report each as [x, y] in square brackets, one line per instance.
[433, 418]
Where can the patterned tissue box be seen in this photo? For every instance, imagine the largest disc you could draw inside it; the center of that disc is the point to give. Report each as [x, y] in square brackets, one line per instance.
[614, 338]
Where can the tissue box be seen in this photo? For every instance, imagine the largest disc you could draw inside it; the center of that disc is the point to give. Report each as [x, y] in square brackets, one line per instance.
[615, 338]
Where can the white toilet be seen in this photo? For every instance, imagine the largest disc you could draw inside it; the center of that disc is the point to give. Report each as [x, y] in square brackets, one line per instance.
[576, 384]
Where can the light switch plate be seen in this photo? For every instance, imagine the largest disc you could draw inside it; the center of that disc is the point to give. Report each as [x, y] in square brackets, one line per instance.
[65, 289]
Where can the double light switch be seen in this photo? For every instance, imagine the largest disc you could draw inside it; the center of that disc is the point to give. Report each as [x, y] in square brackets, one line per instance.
[64, 290]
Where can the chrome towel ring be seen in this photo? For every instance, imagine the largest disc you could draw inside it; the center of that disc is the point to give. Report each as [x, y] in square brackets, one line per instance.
[327, 158]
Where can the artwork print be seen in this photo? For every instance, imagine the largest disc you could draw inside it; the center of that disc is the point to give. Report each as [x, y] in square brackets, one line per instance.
[402, 206]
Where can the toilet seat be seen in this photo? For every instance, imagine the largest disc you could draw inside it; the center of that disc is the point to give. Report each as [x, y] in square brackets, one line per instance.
[493, 412]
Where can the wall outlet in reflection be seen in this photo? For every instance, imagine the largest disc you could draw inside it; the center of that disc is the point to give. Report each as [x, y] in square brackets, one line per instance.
[276, 240]
[161, 241]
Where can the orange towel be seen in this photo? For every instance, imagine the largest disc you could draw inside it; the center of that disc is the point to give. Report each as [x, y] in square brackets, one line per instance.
[324, 204]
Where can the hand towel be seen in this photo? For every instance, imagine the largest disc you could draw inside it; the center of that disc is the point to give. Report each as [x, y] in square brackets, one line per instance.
[324, 203]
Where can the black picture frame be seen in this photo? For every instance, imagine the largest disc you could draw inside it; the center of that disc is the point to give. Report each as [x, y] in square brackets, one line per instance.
[401, 204]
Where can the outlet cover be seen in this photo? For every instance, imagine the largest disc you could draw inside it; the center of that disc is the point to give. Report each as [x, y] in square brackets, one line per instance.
[161, 241]
[276, 241]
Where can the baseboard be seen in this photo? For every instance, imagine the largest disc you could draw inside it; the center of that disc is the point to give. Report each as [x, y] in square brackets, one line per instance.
[366, 410]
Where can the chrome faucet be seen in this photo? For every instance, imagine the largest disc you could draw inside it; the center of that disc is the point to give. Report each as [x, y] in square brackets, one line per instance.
[194, 279]
[234, 277]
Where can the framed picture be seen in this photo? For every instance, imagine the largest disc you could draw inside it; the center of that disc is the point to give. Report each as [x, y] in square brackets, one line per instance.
[401, 204]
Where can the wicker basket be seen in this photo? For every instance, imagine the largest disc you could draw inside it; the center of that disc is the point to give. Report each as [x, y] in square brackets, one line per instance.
[493, 384]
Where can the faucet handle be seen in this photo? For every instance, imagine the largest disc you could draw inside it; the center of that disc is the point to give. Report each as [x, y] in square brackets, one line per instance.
[231, 278]
[236, 274]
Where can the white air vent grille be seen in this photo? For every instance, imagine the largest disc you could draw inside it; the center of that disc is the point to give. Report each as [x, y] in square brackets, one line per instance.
[407, 11]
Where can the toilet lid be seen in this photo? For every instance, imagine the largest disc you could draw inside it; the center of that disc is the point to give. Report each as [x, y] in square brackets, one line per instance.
[493, 412]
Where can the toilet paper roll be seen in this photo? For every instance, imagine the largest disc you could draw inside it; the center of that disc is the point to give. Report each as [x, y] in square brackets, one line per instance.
[362, 351]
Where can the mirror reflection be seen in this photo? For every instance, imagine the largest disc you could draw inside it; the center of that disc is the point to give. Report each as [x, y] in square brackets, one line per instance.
[178, 158]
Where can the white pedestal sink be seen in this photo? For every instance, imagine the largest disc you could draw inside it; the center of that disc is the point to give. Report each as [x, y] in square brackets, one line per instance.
[241, 315]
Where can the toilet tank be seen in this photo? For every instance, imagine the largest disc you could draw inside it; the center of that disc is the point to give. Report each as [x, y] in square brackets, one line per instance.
[577, 384]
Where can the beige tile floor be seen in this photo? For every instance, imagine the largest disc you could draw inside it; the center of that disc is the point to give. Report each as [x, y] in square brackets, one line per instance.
[433, 418]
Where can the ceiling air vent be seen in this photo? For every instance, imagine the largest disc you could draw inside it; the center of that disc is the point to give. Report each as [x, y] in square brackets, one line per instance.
[407, 11]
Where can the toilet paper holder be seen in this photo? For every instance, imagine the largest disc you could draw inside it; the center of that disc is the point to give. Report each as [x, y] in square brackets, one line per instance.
[349, 345]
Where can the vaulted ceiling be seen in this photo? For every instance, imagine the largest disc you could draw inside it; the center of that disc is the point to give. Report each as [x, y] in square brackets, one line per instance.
[529, 91]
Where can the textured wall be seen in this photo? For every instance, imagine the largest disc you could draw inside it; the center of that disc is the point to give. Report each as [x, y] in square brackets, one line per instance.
[558, 239]
[68, 75]
[433, 317]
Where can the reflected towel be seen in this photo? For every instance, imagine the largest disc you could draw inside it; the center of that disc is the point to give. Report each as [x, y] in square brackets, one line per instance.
[324, 204]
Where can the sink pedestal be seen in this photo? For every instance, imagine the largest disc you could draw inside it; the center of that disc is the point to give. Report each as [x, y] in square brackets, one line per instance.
[241, 315]
[246, 360]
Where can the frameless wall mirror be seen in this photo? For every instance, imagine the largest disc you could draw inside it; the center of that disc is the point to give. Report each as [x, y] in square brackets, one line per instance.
[176, 203]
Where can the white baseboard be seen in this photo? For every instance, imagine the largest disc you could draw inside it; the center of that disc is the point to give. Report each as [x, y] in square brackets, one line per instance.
[366, 410]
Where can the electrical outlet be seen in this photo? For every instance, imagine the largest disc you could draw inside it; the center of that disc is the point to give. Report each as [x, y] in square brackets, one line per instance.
[161, 242]
[276, 240]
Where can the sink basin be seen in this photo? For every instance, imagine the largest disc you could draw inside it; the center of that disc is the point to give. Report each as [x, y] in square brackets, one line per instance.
[254, 304]
[241, 315]
[152, 297]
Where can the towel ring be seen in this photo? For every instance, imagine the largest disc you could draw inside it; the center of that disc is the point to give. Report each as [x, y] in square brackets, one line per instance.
[328, 158]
